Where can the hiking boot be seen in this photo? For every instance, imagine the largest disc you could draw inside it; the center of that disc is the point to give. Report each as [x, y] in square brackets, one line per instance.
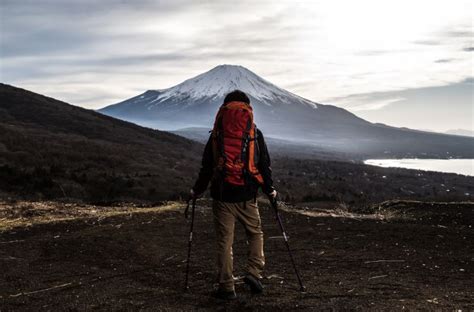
[224, 294]
[255, 285]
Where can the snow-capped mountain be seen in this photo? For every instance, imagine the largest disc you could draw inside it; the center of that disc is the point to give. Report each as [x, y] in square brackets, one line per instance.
[222, 79]
[279, 113]
[194, 102]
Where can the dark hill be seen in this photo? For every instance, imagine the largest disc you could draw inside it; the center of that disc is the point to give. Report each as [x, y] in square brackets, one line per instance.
[50, 149]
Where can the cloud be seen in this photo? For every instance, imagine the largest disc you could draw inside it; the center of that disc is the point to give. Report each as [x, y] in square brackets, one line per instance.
[417, 107]
[373, 52]
[460, 33]
[428, 42]
[378, 100]
[469, 80]
[367, 102]
[444, 60]
[376, 104]
[468, 49]
[447, 35]
[89, 51]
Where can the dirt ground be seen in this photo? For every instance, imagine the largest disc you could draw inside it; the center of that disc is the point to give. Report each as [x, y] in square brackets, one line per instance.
[411, 256]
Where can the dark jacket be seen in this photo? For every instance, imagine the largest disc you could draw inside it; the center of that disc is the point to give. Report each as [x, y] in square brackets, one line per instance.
[223, 191]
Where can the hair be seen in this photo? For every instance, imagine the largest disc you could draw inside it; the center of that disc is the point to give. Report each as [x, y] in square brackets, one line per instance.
[236, 95]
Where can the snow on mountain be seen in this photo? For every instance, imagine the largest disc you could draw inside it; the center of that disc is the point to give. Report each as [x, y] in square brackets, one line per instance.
[221, 80]
[194, 102]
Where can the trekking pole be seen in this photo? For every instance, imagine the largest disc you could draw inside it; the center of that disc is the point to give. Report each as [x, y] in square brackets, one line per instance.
[190, 237]
[275, 207]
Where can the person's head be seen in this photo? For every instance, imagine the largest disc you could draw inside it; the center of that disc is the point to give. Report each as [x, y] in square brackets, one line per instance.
[237, 95]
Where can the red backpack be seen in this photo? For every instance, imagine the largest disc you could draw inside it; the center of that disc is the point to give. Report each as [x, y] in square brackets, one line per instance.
[234, 144]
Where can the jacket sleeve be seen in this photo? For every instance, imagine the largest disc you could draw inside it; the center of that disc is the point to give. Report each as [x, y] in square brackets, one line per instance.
[205, 174]
[264, 164]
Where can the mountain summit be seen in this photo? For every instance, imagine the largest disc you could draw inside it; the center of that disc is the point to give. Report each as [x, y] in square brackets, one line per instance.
[194, 102]
[222, 79]
[280, 114]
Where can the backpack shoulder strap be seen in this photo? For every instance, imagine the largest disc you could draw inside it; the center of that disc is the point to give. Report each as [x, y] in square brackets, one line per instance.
[217, 140]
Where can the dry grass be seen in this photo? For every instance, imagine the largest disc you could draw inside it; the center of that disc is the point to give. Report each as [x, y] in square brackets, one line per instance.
[28, 213]
[25, 213]
[342, 210]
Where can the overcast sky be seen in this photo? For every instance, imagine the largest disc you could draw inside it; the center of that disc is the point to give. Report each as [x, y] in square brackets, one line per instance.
[404, 62]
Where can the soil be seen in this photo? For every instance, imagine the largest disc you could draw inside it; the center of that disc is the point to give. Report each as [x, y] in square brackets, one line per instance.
[133, 258]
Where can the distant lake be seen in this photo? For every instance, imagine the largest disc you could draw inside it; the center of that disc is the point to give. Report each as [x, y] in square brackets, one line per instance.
[460, 166]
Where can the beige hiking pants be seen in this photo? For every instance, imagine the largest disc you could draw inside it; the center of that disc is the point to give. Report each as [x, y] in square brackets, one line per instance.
[225, 215]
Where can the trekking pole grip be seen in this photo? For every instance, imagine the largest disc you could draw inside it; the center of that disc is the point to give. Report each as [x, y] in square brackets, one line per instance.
[273, 202]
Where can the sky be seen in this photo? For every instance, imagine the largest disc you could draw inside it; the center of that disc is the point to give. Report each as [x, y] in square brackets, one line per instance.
[406, 63]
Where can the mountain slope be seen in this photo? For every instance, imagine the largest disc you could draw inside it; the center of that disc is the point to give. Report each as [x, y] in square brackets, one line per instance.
[51, 149]
[464, 132]
[283, 115]
[195, 101]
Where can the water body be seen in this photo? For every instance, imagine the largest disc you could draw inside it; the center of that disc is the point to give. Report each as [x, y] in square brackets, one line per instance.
[459, 166]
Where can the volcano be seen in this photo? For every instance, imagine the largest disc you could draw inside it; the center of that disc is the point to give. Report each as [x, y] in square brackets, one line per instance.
[282, 115]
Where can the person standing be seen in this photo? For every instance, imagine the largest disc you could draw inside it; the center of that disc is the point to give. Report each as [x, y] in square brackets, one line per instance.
[237, 163]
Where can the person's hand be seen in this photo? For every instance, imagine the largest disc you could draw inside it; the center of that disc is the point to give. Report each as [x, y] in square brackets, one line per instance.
[192, 194]
[273, 194]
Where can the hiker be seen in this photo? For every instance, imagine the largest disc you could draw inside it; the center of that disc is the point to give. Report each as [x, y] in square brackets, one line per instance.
[237, 163]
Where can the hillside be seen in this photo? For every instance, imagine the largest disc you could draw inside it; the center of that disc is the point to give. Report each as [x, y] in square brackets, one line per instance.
[50, 149]
[53, 150]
